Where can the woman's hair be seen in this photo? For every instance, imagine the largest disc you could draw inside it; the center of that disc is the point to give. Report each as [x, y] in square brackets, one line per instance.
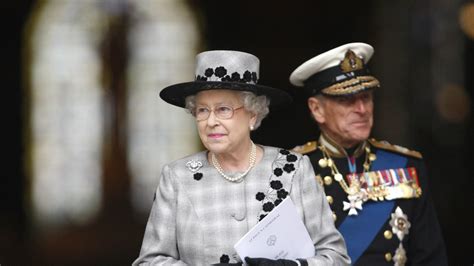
[257, 105]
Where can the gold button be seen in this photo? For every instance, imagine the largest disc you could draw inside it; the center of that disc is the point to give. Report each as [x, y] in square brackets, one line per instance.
[329, 199]
[327, 180]
[387, 234]
[388, 256]
[372, 157]
[334, 216]
[323, 163]
[330, 162]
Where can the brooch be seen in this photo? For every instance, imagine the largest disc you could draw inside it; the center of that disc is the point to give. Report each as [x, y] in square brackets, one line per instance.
[193, 165]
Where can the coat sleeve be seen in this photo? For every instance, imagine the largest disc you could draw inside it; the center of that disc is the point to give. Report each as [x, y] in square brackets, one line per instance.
[328, 242]
[159, 245]
[426, 244]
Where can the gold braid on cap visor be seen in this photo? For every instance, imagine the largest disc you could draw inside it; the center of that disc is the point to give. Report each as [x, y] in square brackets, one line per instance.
[351, 86]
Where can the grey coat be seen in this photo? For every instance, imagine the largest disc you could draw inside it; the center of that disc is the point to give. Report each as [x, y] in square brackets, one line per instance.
[197, 215]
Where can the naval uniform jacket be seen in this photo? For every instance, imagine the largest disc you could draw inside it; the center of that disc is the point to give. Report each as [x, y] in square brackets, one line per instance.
[197, 216]
[423, 243]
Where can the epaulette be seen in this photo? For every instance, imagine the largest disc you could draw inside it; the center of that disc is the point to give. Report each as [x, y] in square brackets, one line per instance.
[395, 148]
[306, 148]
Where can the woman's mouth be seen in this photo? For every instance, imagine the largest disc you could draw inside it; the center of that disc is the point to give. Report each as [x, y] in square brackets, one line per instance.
[215, 135]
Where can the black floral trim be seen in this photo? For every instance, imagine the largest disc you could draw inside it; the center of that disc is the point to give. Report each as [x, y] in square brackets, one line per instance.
[224, 258]
[221, 73]
[277, 202]
[198, 176]
[291, 158]
[283, 166]
[289, 167]
[278, 171]
[260, 196]
[268, 206]
[276, 185]
[282, 194]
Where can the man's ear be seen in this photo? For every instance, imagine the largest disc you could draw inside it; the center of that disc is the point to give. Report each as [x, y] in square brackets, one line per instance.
[316, 107]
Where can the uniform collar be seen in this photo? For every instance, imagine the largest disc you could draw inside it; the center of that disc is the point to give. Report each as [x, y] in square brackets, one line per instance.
[336, 150]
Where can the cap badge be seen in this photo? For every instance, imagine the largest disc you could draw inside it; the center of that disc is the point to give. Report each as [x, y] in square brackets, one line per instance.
[351, 62]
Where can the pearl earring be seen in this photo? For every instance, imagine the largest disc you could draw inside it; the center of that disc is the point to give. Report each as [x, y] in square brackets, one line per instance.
[251, 128]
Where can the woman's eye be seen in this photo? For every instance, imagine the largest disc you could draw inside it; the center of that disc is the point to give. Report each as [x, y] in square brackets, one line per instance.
[224, 109]
[201, 110]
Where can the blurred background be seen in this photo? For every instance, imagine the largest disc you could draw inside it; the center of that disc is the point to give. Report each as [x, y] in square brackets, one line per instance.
[85, 134]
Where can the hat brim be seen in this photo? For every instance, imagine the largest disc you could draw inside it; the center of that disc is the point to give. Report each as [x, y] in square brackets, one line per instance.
[177, 93]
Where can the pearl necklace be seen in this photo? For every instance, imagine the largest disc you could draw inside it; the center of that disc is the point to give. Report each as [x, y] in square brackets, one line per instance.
[238, 178]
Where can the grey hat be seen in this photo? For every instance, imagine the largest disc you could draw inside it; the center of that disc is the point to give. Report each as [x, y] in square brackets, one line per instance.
[222, 69]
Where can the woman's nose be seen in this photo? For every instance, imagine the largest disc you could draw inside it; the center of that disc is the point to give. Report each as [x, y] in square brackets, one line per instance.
[212, 119]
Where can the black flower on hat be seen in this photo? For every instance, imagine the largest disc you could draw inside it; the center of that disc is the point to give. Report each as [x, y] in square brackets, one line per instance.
[220, 71]
[235, 76]
[284, 152]
[261, 217]
[226, 78]
[209, 72]
[201, 78]
[247, 77]
[254, 77]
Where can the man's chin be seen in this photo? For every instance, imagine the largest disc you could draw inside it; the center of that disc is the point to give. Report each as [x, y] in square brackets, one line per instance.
[360, 136]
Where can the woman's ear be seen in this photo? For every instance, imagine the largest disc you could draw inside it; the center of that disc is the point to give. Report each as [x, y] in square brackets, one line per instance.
[316, 107]
[253, 120]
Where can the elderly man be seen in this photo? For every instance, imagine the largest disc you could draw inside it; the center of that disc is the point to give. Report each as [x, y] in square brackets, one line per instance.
[378, 192]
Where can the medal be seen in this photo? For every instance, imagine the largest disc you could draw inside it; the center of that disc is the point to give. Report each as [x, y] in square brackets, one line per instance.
[356, 195]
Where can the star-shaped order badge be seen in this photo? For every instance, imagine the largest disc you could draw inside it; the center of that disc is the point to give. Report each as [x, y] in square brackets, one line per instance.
[400, 224]
[355, 202]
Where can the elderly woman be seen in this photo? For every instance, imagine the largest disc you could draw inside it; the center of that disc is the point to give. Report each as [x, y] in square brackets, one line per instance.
[207, 201]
